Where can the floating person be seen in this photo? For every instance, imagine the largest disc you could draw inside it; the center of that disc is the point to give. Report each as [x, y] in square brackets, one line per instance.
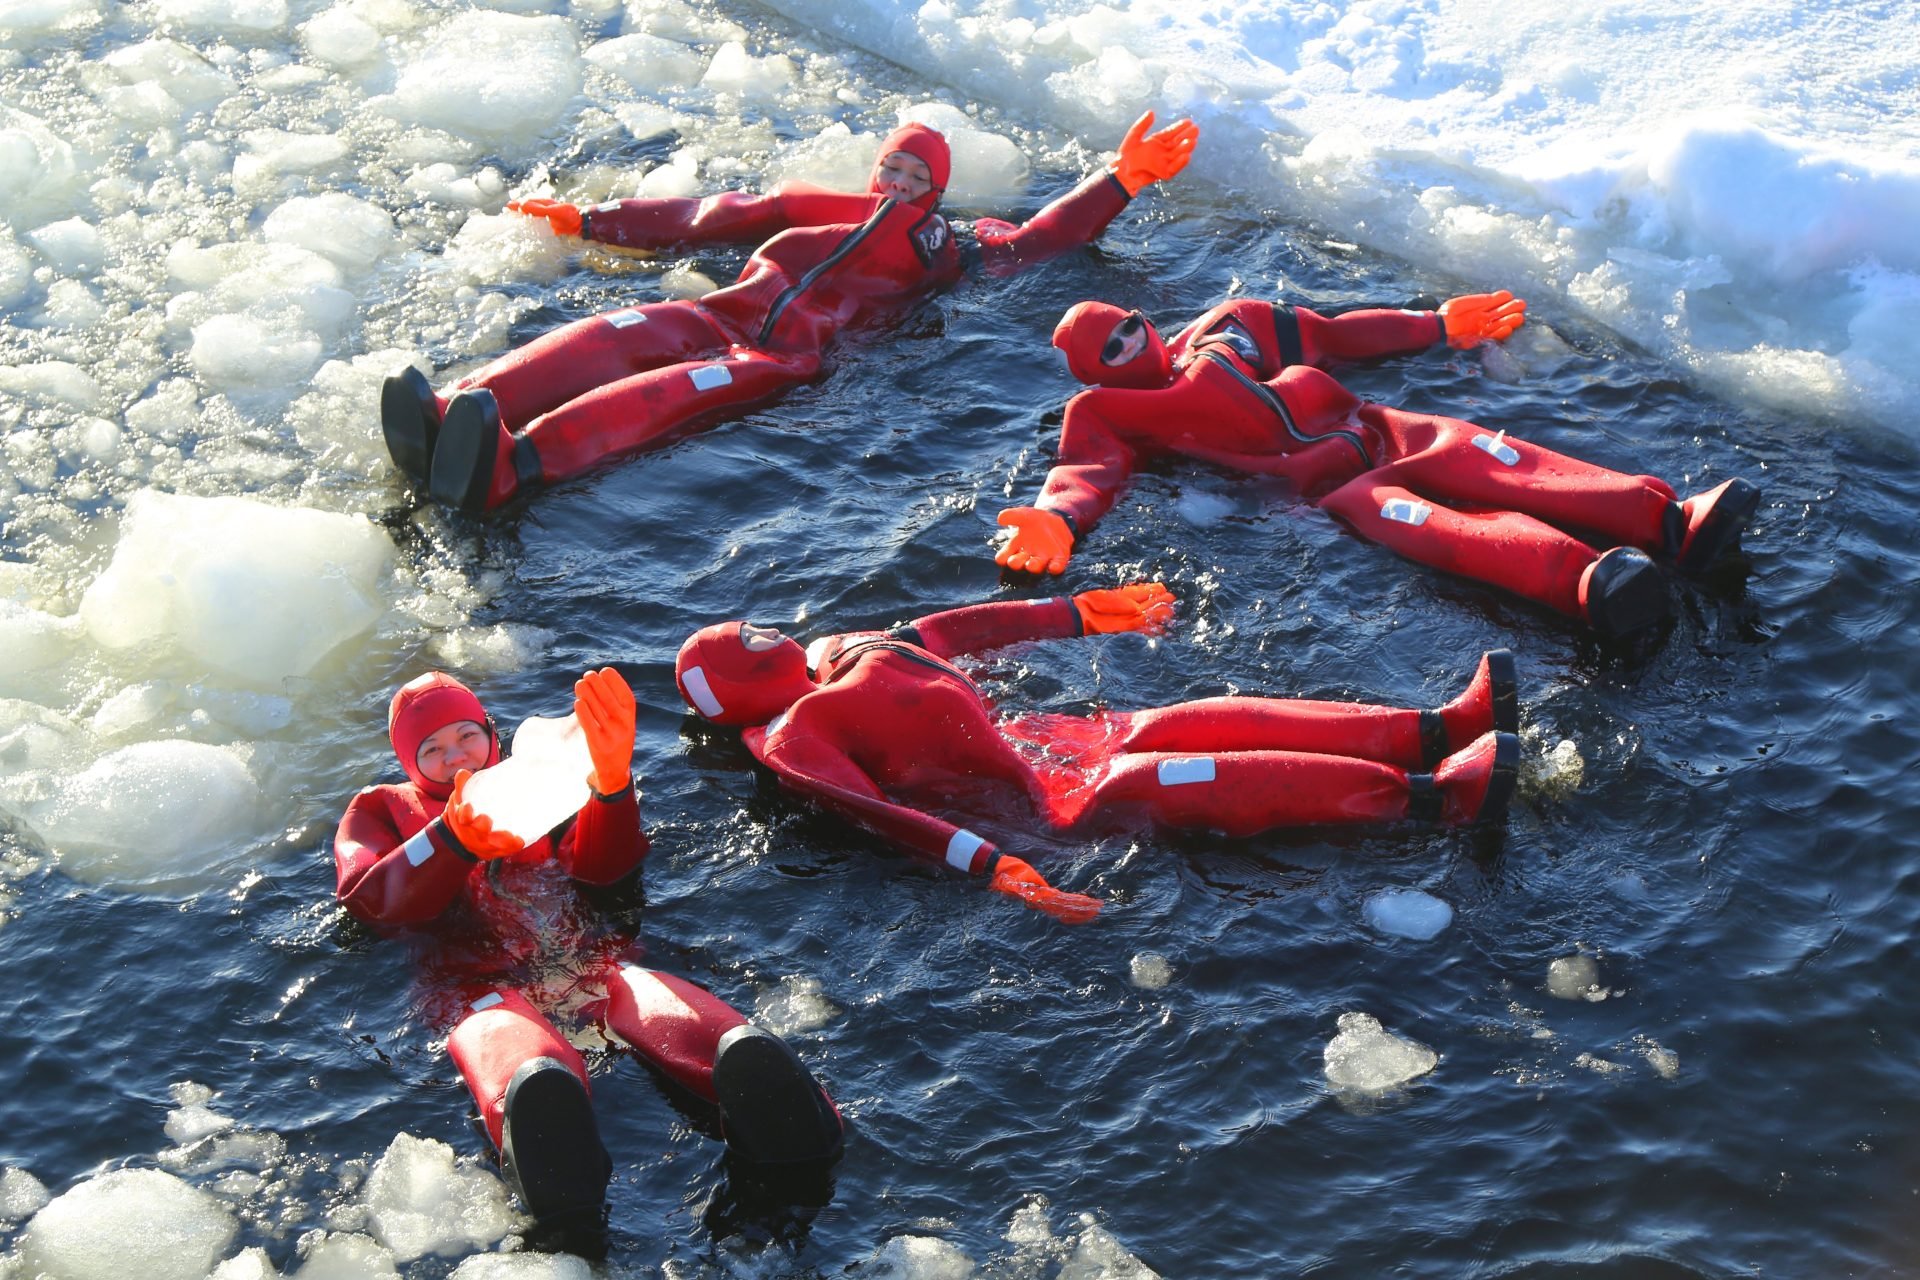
[1240, 387]
[636, 377]
[510, 937]
[881, 728]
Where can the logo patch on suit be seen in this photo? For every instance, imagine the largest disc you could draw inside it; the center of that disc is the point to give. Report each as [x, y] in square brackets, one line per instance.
[1237, 340]
[930, 237]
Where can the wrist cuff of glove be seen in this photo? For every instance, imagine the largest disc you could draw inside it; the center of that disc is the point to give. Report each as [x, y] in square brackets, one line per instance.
[609, 797]
[1073, 526]
[442, 836]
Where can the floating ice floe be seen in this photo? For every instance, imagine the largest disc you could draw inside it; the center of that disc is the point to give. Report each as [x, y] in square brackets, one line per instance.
[131, 1222]
[1150, 971]
[1407, 913]
[490, 77]
[1575, 977]
[419, 1200]
[1366, 1058]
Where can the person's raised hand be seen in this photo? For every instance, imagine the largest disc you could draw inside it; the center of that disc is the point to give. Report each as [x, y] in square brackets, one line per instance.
[1474, 318]
[1146, 158]
[1041, 541]
[1138, 606]
[1019, 880]
[473, 830]
[603, 704]
[564, 218]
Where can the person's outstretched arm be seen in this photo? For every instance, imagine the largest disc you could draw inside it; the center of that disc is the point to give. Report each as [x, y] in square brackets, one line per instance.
[605, 843]
[730, 217]
[1306, 337]
[1078, 217]
[1096, 460]
[821, 771]
[975, 628]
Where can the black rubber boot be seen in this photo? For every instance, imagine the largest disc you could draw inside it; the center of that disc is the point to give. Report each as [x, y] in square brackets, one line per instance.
[772, 1111]
[410, 420]
[551, 1151]
[1476, 784]
[1495, 688]
[1622, 593]
[1715, 520]
[464, 456]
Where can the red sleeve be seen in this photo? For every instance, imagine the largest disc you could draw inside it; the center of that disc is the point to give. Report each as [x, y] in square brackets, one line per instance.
[978, 627]
[1097, 455]
[731, 216]
[605, 843]
[384, 880]
[1318, 340]
[1076, 218]
[818, 769]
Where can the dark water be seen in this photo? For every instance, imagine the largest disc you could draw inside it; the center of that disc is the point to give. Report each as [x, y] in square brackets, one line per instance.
[1737, 859]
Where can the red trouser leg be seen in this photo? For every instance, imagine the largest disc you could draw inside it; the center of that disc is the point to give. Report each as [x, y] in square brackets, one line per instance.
[1518, 552]
[1245, 792]
[576, 358]
[1469, 465]
[671, 1023]
[501, 1031]
[1390, 735]
[649, 408]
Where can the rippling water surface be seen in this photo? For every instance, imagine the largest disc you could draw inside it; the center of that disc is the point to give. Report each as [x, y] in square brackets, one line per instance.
[1736, 856]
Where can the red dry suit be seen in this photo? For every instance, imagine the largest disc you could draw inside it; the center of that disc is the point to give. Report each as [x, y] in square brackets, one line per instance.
[833, 261]
[510, 938]
[881, 728]
[1238, 387]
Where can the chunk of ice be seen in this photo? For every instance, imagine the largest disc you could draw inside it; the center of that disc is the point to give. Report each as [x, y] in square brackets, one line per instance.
[1574, 977]
[419, 1201]
[916, 1258]
[796, 1006]
[1407, 913]
[1365, 1057]
[522, 1266]
[490, 77]
[131, 1222]
[1149, 971]
[21, 1195]
[351, 233]
[71, 245]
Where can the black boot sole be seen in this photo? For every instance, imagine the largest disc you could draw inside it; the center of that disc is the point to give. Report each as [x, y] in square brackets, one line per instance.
[463, 458]
[772, 1112]
[1720, 532]
[1625, 594]
[409, 419]
[1505, 681]
[1501, 781]
[551, 1151]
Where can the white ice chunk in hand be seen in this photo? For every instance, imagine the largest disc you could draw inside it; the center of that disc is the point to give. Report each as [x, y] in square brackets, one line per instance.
[539, 786]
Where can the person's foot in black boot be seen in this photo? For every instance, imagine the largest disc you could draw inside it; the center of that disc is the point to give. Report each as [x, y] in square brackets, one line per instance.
[463, 457]
[551, 1152]
[1621, 593]
[1476, 783]
[1715, 520]
[410, 421]
[773, 1113]
[1491, 701]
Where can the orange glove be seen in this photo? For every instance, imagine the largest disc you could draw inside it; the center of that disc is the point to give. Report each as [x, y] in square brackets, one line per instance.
[561, 216]
[473, 830]
[1016, 879]
[603, 704]
[1041, 541]
[1482, 317]
[1139, 606]
[1149, 158]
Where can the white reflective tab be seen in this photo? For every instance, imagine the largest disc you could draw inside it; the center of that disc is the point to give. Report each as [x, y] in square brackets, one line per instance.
[961, 848]
[626, 319]
[709, 376]
[817, 652]
[418, 849]
[701, 692]
[1402, 511]
[1498, 447]
[1178, 773]
[611, 206]
[487, 1001]
[776, 724]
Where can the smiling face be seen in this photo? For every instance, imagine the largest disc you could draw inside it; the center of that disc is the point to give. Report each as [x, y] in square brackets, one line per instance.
[902, 177]
[1128, 339]
[464, 744]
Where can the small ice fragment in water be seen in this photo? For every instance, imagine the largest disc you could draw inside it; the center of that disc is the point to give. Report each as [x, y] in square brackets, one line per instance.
[1665, 1062]
[1203, 510]
[1407, 913]
[1150, 971]
[916, 1258]
[1575, 978]
[1600, 1066]
[1365, 1057]
[796, 1006]
[21, 1195]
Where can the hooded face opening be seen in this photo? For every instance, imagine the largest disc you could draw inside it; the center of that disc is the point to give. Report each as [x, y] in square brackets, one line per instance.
[1128, 339]
[464, 744]
[1108, 347]
[912, 167]
[903, 177]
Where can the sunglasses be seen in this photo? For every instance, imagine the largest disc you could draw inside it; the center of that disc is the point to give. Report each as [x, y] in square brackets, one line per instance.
[1123, 333]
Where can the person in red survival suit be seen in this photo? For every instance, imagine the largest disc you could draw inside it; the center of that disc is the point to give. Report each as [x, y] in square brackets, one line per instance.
[883, 729]
[635, 377]
[506, 918]
[1240, 387]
